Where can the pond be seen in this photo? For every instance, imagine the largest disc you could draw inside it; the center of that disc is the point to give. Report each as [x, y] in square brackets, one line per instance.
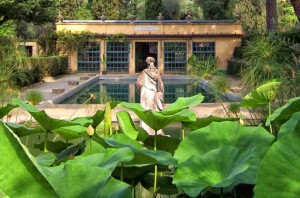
[125, 90]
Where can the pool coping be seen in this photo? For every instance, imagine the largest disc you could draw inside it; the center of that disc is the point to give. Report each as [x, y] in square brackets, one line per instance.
[203, 83]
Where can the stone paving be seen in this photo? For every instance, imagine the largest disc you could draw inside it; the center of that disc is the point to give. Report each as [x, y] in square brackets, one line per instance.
[68, 111]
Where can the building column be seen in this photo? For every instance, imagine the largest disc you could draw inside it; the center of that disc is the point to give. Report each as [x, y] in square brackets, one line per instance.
[102, 55]
[131, 63]
[189, 54]
[160, 57]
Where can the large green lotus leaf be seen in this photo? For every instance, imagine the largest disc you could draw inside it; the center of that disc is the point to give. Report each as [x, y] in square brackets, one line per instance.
[280, 170]
[54, 147]
[126, 124]
[262, 95]
[219, 134]
[41, 117]
[70, 152]
[217, 168]
[21, 130]
[5, 110]
[91, 176]
[292, 125]
[159, 120]
[45, 159]
[96, 119]
[163, 143]
[92, 147]
[183, 103]
[282, 114]
[83, 121]
[121, 140]
[164, 184]
[28, 107]
[19, 176]
[72, 132]
[203, 122]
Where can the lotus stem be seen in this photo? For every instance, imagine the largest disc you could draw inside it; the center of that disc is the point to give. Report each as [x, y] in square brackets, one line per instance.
[221, 192]
[91, 145]
[182, 132]
[270, 111]
[122, 173]
[155, 167]
[45, 144]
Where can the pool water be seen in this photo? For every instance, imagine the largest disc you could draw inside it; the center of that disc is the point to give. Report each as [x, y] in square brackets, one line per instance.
[125, 90]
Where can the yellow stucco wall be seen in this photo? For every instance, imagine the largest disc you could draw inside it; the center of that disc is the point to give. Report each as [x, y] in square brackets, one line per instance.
[226, 36]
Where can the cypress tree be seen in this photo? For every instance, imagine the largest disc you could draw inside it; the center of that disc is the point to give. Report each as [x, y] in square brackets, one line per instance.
[110, 8]
[152, 9]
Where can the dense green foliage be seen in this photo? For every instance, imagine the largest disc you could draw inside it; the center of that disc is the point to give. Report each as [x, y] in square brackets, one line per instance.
[215, 157]
[203, 67]
[217, 9]
[152, 9]
[37, 11]
[110, 8]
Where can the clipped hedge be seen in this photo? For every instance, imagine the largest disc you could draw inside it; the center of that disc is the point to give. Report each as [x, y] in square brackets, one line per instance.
[51, 65]
[41, 67]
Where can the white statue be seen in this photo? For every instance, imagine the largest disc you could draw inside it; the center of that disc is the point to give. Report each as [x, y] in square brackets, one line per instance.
[151, 89]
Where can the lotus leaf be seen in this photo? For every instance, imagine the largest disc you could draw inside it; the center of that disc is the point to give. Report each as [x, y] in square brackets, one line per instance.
[21, 130]
[183, 103]
[126, 124]
[159, 120]
[5, 110]
[282, 114]
[292, 125]
[216, 168]
[90, 176]
[280, 170]
[19, 175]
[219, 134]
[203, 122]
[262, 95]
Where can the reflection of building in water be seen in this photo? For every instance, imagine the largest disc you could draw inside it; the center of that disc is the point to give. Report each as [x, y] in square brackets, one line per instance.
[170, 43]
[126, 91]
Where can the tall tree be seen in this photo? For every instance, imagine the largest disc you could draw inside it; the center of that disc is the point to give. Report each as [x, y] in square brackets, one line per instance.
[271, 15]
[69, 8]
[296, 5]
[253, 14]
[171, 9]
[152, 9]
[110, 8]
[36, 11]
[217, 9]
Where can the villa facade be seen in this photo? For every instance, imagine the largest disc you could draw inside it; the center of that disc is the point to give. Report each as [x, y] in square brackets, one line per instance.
[171, 43]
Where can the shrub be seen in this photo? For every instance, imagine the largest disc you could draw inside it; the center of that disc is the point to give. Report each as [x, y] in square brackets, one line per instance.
[34, 97]
[52, 65]
[235, 66]
[221, 84]
[201, 66]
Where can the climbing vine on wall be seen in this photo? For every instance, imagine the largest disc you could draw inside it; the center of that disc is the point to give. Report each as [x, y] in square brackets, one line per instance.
[68, 41]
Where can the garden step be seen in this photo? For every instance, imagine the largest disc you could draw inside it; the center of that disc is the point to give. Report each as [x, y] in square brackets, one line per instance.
[58, 91]
[84, 77]
[73, 82]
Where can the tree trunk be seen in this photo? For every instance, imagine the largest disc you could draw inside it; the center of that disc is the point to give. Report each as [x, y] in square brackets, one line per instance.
[296, 5]
[271, 18]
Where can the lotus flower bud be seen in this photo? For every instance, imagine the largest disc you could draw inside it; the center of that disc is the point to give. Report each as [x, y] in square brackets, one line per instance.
[90, 130]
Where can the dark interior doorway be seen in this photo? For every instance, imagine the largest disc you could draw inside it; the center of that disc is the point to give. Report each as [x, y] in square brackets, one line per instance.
[142, 51]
